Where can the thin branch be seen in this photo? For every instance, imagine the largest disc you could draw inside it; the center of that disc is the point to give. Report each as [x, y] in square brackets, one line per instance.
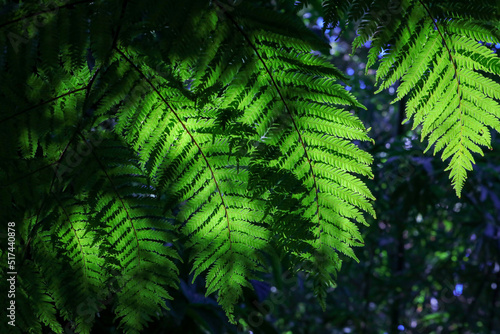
[87, 88]
[69, 5]
[30, 173]
[452, 60]
[41, 104]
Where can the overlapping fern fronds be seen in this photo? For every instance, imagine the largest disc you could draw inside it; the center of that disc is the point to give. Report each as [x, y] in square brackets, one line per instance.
[437, 51]
[134, 129]
[313, 131]
[144, 124]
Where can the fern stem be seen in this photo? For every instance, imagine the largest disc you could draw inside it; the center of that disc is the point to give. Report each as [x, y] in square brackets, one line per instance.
[444, 40]
[117, 32]
[190, 135]
[41, 104]
[68, 5]
[452, 60]
[119, 198]
[89, 86]
[74, 232]
[254, 47]
[30, 173]
[33, 229]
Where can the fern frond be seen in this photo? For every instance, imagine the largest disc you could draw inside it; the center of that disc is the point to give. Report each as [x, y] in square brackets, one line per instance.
[314, 136]
[434, 51]
[203, 173]
[129, 214]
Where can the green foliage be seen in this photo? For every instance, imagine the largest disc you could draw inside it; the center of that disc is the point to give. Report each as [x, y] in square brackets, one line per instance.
[445, 74]
[139, 137]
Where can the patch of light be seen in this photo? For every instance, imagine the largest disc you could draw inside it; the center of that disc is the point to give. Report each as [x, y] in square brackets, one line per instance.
[434, 304]
[459, 288]
[382, 53]
[407, 144]
[457, 207]
[320, 22]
